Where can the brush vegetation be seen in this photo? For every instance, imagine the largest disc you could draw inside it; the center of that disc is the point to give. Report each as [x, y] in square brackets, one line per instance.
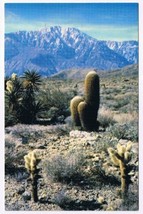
[75, 169]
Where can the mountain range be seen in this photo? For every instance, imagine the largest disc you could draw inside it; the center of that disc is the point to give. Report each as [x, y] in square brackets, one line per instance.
[54, 49]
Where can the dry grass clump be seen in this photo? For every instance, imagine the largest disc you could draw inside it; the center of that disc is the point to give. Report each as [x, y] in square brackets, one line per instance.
[126, 117]
[13, 156]
[126, 126]
[105, 117]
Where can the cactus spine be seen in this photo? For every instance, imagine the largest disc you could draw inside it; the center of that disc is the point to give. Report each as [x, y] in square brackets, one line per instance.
[31, 166]
[85, 111]
[121, 157]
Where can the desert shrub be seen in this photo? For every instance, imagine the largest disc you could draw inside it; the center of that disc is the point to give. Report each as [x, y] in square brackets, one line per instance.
[100, 177]
[105, 117]
[64, 169]
[127, 131]
[9, 154]
[56, 102]
[112, 90]
[132, 131]
[117, 131]
[13, 157]
[61, 198]
[120, 103]
[104, 144]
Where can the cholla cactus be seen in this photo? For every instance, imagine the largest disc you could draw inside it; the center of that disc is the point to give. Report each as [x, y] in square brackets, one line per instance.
[31, 166]
[13, 76]
[10, 83]
[9, 86]
[121, 157]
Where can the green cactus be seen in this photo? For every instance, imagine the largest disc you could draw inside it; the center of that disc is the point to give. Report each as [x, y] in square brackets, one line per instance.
[121, 157]
[91, 89]
[84, 112]
[88, 116]
[89, 109]
[31, 166]
[74, 109]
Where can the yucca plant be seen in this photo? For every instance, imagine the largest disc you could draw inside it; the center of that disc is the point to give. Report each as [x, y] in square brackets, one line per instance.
[29, 106]
[32, 80]
[20, 96]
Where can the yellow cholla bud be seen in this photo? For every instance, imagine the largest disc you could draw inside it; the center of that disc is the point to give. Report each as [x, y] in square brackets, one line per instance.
[30, 155]
[27, 166]
[34, 155]
[33, 162]
[27, 162]
[27, 159]
[118, 147]
[100, 199]
[113, 157]
[121, 149]
[129, 146]
[30, 161]
[13, 76]
[9, 86]
[111, 151]
[110, 208]
[115, 160]
[127, 156]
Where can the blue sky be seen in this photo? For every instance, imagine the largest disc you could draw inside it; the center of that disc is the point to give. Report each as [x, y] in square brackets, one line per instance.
[105, 21]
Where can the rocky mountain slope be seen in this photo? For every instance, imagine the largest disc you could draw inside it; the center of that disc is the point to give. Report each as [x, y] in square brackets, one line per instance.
[51, 50]
[80, 73]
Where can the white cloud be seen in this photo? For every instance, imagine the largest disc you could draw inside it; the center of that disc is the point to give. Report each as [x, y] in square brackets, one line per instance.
[11, 17]
[103, 32]
[112, 32]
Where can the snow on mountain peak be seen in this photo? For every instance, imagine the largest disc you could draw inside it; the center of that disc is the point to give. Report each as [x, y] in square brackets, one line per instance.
[50, 50]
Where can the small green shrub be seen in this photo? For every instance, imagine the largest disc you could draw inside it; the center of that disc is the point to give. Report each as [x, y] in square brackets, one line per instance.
[127, 131]
[56, 104]
[132, 131]
[120, 103]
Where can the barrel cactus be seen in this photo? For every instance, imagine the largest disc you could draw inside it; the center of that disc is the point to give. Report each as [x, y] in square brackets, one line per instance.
[85, 111]
[74, 110]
